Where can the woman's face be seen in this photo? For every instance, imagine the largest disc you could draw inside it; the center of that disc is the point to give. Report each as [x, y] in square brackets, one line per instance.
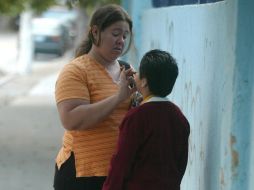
[113, 40]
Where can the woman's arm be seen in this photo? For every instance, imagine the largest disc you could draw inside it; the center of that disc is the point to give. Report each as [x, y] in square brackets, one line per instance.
[78, 114]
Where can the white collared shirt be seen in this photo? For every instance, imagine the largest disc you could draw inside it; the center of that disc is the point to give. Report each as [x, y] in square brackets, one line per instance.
[157, 99]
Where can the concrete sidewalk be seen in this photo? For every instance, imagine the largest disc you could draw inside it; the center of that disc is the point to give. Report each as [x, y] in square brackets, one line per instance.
[30, 129]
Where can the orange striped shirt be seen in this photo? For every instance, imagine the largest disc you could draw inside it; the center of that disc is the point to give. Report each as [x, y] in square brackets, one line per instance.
[84, 78]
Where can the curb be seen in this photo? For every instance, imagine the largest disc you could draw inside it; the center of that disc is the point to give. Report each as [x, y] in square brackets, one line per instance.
[5, 79]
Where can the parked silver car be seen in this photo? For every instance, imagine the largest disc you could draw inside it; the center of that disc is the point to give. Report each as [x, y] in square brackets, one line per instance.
[50, 36]
[68, 17]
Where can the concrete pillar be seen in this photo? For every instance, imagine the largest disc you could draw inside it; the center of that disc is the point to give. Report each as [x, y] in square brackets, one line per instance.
[25, 56]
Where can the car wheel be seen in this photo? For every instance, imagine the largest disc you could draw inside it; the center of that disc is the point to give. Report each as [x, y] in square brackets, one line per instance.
[60, 52]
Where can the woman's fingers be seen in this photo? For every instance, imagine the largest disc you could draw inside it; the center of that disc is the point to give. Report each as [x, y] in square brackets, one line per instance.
[127, 83]
[131, 82]
[130, 72]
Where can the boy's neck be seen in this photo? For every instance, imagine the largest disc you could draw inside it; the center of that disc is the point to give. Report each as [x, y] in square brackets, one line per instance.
[146, 98]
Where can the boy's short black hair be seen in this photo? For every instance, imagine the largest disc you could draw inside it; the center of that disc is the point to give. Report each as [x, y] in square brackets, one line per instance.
[161, 70]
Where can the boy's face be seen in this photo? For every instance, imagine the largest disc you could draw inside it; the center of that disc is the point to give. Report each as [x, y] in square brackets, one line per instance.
[141, 85]
[137, 82]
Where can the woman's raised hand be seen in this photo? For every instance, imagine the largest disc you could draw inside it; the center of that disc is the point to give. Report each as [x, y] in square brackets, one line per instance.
[127, 84]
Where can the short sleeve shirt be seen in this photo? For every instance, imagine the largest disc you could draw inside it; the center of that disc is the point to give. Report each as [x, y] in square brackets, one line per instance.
[84, 78]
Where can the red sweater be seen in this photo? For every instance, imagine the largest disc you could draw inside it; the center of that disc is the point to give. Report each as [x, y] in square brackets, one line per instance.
[152, 149]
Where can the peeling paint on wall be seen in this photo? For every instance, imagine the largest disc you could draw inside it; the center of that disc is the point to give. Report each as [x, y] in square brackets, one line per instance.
[222, 179]
[234, 156]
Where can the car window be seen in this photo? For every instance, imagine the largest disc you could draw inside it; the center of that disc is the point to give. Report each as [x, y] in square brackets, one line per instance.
[63, 14]
[45, 27]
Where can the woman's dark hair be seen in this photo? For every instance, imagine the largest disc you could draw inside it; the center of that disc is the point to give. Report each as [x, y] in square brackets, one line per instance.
[161, 70]
[103, 18]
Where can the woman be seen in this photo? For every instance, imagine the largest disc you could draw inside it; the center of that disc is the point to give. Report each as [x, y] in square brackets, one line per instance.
[92, 96]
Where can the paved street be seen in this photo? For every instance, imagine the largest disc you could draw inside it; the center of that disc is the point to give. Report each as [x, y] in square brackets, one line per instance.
[30, 131]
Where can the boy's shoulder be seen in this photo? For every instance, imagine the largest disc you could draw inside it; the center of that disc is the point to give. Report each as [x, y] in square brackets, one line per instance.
[143, 110]
[148, 109]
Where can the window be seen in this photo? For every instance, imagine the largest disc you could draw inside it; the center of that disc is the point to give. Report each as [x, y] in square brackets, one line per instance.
[165, 3]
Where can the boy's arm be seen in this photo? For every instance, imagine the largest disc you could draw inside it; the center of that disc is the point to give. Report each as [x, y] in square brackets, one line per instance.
[122, 161]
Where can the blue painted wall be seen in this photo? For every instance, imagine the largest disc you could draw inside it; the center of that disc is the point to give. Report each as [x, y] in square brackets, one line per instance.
[243, 89]
[213, 44]
[135, 9]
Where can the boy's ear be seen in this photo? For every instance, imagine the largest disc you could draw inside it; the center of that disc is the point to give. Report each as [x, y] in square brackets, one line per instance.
[144, 83]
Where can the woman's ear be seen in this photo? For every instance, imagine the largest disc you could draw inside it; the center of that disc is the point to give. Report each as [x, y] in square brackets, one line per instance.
[95, 33]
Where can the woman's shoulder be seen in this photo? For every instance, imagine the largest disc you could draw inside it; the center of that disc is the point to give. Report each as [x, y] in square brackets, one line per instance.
[81, 63]
[78, 61]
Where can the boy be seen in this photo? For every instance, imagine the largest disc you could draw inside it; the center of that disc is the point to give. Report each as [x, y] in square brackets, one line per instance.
[152, 149]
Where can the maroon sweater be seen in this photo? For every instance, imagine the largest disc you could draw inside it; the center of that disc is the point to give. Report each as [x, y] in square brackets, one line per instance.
[152, 150]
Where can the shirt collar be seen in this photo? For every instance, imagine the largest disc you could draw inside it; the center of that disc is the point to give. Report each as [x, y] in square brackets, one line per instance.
[152, 98]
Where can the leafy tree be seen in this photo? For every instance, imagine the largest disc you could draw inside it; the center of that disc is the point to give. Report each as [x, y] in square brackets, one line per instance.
[94, 3]
[14, 7]
[89, 5]
[26, 8]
